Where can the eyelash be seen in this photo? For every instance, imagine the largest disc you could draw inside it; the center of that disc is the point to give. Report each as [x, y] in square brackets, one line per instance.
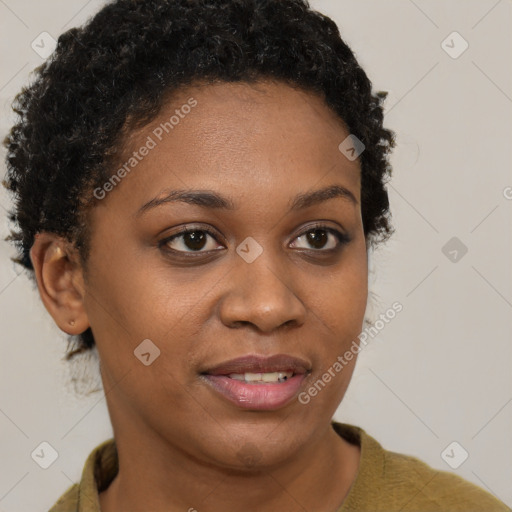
[342, 239]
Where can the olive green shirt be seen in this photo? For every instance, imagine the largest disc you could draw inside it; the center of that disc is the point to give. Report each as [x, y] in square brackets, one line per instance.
[386, 482]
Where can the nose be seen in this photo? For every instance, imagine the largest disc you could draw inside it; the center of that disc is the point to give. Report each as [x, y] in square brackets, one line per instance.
[262, 294]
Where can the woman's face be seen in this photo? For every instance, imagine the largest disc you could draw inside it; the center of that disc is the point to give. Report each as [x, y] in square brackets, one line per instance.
[263, 273]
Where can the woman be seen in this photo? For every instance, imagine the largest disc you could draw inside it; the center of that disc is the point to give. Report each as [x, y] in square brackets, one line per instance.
[197, 187]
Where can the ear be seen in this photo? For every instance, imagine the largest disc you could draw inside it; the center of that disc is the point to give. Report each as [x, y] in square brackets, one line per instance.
[60, 281]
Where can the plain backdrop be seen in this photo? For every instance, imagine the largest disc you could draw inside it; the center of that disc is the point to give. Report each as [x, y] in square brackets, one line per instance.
[440, 372]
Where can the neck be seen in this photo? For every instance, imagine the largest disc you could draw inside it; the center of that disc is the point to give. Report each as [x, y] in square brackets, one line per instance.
[154, 475]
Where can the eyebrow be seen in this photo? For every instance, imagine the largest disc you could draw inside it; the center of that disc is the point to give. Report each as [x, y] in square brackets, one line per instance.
[213, 200]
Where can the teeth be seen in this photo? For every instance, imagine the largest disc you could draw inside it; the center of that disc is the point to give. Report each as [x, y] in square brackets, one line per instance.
[262, 377]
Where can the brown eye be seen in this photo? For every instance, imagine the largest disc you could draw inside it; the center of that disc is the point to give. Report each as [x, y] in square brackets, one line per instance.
[195, 240]
[322, 239]
[191, 240]
[318, 238]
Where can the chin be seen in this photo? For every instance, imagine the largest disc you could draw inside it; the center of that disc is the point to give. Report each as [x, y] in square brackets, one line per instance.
[254, 447]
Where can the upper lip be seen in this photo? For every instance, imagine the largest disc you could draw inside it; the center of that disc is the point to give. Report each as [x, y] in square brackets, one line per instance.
[260, 364]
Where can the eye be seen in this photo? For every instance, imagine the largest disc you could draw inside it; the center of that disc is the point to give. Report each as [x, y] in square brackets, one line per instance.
[320, 238]
[191, 240]
[323, 238]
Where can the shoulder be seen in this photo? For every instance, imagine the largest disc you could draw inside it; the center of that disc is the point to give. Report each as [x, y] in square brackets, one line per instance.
[411, 480]
[68, 502]
[389, 481]
[99, 470]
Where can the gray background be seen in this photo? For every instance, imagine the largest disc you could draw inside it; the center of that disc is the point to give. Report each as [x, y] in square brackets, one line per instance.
[440, 371]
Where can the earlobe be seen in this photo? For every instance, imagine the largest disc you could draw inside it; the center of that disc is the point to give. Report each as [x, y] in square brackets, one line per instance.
[60, 281]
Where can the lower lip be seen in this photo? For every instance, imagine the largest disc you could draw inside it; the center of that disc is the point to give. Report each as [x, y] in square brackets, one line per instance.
[262, 397]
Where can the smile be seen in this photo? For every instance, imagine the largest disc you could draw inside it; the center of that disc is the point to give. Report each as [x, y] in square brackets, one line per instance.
[258, 383]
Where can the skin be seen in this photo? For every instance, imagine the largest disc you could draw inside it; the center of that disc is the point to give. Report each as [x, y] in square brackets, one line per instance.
[179, 442]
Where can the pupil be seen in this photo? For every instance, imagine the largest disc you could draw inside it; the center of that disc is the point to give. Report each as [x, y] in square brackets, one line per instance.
[317, 238]
[195, 240]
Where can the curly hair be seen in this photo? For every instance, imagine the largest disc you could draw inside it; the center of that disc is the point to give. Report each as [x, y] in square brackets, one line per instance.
[115, 72]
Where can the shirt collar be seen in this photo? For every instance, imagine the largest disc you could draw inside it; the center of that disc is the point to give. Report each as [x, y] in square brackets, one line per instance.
[99, 470]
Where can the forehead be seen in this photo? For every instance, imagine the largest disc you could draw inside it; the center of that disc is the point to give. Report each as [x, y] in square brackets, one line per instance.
[245, 136]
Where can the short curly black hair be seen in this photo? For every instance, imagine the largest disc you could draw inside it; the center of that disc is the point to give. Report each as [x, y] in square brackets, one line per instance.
[114, 73]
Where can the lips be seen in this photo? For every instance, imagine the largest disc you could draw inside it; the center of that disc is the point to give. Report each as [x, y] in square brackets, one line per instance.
[261, 364]
[226, 379]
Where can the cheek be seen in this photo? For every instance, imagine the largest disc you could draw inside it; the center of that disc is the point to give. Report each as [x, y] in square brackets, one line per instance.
[339, 312]
[130, 302]
[355, 280]
[129, 290]
[339, 315]
[342, 298]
